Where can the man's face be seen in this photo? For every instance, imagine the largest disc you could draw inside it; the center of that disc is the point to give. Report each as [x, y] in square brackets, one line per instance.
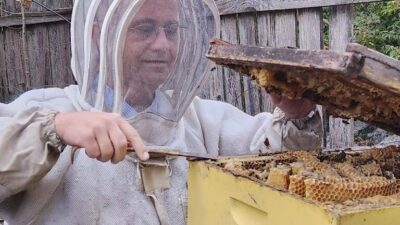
[151, 44]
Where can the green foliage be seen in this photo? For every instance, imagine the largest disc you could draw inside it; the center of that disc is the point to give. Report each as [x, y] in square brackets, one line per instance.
[377, 26]
[325, 26]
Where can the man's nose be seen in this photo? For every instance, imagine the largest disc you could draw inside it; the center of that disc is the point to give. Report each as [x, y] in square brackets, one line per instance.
[161, 41]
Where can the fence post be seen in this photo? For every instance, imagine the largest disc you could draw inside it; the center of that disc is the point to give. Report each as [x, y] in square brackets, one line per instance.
[341, 131]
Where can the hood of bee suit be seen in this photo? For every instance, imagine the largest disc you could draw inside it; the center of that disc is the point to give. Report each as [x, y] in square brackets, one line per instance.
[143, 59]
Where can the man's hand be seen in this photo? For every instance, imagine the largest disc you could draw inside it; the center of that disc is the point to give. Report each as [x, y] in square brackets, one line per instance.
[105, 136]
[293, 108]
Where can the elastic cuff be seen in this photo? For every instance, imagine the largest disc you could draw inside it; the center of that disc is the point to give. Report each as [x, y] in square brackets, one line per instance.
[51, 134]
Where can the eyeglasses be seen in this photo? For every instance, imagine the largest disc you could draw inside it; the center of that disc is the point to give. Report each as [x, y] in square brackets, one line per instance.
[149, 32]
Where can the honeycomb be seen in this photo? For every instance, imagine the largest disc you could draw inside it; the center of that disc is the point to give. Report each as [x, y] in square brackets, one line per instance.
[342, 98]
[279, 177]
[334, 176]
[346, 83]
[297, 185]
[338, 191]
[372, 169]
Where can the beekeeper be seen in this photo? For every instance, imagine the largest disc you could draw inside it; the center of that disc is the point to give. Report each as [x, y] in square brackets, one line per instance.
[139, 65]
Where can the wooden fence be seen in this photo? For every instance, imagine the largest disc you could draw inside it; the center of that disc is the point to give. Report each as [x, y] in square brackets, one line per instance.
[44, 59]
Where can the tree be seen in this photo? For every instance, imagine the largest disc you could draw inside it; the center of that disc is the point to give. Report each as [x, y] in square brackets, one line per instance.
[377, 26]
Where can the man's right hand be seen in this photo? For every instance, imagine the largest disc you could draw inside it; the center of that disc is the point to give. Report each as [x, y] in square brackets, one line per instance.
[105, 136]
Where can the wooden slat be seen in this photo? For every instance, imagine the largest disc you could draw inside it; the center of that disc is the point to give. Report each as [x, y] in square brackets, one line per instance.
[217, 85]
[66, 48]
[11, 5]
[276, 29]
[239, 6]
[265, 37]
[247, 36]
[213, 88]
[66, 54]
[285, 29]
[60, 67]
[266, 29]
[310, 37]
[15, 74]
[49, 4]
[205, 89]
[341, 132]
[38, 53]
[35, 18]
[232, 82]
[310, 28]
[39, 46]
[70, 77]
[3, 70]
[37, 8]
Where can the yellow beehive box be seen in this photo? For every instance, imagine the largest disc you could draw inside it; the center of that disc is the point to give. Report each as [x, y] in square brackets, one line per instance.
[219, 196]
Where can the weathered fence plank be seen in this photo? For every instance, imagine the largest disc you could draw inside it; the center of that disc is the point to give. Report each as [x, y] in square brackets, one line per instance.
[15, 72]
[3, 70]
[239, 6]
[38, 53]
[59, 43]
[285, 29]
[311, 37]
[213, 87]
[232, 80]
[310, 28]
[35, 18]
[247, 36]
[340, 33]
[47, 48]
[265, 38]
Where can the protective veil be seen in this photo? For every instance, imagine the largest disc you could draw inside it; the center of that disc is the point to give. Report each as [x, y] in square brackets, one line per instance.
[144, 59]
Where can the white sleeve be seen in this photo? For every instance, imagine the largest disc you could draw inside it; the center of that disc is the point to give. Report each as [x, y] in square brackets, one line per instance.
[229, 131]
[29, 148]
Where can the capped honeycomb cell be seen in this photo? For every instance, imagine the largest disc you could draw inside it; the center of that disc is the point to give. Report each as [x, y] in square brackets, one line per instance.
[347, 170]
[279, 177]
[371, 169]
[297, 167]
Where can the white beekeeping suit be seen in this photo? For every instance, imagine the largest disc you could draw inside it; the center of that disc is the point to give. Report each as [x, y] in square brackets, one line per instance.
[145, 60]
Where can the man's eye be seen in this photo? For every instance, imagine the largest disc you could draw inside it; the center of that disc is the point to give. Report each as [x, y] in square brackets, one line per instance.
[145, 29]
